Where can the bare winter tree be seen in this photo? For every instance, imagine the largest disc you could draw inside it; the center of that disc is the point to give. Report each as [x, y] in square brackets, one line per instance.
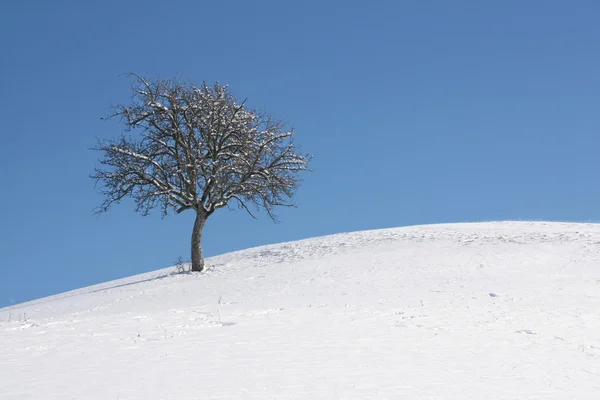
[198, 149]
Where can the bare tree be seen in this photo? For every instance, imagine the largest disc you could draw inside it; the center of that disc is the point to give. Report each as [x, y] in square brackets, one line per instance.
[198, 149]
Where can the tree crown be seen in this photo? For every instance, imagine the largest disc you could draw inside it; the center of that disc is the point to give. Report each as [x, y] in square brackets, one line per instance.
[198, 148]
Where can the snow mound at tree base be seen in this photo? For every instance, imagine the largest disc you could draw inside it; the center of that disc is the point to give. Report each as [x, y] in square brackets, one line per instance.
[506, 310]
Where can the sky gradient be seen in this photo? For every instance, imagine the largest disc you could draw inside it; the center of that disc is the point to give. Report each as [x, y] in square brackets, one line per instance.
[416, 113]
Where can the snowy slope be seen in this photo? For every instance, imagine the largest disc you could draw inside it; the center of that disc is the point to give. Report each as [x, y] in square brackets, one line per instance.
[467, 311]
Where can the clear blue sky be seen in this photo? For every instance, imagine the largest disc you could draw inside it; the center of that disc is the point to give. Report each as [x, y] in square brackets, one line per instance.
[416, 112]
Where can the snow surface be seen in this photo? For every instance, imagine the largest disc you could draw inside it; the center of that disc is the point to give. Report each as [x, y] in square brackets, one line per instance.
[465, 311]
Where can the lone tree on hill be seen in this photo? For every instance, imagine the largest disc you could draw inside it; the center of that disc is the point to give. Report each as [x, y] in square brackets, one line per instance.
[198, 149]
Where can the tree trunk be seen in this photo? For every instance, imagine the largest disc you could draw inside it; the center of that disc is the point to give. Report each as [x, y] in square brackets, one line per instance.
[197, 258]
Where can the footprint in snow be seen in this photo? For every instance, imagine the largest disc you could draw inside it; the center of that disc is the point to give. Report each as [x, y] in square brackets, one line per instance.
[527, 331]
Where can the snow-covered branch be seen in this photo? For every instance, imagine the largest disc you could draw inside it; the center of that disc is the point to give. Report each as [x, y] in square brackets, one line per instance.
[198, 148]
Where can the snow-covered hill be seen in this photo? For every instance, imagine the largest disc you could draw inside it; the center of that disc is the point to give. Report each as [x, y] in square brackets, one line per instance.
[466, 311]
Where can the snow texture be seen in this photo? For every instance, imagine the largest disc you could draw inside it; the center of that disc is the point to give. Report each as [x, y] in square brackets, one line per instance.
[465, 311]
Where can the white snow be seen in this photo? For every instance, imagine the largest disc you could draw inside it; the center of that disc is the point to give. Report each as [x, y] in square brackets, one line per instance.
[465, 311]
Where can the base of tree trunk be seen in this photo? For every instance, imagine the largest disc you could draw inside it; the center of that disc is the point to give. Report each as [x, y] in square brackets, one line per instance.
[199, 268]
